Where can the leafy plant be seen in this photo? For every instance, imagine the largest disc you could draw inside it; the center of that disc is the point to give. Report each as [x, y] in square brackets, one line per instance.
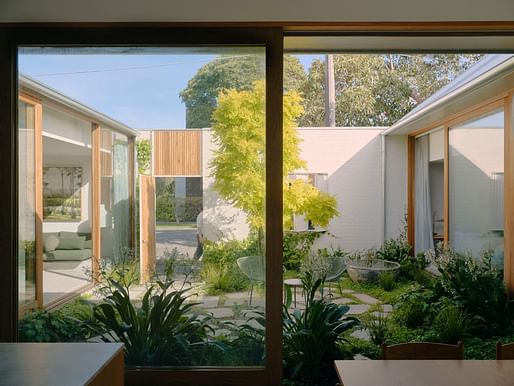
[296, 247]
[238, 130]
[144, 155]
[312, 337]
[163, 331]
[414, 307]
[220, 271]
[477, 287]
[453, 324]
[387, 280]
[378, 327]
[63, 325]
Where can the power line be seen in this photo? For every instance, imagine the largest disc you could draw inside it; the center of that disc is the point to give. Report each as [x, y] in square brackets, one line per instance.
[134, 67]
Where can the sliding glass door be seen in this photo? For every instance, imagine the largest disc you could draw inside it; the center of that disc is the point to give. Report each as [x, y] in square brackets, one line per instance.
[29, 204]
[476, 186]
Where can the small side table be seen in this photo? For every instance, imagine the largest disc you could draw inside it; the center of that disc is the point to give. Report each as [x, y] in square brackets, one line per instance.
[293, 283]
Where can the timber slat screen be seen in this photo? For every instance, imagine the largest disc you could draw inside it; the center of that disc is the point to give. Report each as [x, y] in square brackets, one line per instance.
[177, 153]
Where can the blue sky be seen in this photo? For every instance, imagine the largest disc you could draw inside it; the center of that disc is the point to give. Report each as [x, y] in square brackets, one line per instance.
[146, 97]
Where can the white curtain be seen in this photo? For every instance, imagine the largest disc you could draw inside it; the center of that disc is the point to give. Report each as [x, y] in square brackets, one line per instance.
[423, 209]
[121, 206]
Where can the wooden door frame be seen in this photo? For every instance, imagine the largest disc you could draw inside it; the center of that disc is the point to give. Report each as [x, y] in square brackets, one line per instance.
[159, 34]
[38, 200]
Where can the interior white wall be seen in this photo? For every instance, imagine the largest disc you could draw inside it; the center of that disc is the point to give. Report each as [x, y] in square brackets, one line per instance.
[65, 127]
[247, 10]
[436, 145]
[396, 184]
[436, 176]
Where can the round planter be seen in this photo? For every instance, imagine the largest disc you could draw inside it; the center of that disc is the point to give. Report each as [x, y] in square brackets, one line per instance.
[368, 271]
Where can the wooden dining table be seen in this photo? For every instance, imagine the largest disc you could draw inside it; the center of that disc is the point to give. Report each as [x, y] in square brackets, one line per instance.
[425, 372]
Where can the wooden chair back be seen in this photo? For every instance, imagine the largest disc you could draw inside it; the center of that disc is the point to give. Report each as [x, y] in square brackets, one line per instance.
[504, 351]
[423, 350]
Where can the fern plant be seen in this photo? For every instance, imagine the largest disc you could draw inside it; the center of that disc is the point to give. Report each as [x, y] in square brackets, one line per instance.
[163, 331]
[312, 337]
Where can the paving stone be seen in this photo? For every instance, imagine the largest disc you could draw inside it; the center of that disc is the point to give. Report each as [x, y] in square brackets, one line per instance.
[347, 291]
[366, 299]
[257, 303]
[343, 301]
[208, 301]
[361, 334]
[387, 308]
[378, 314]
[238, 295]
[221, 312]
[221, 331]
[357, 309]
[236, 302]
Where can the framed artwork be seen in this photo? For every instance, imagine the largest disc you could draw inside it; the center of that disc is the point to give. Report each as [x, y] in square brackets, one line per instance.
[61, 193]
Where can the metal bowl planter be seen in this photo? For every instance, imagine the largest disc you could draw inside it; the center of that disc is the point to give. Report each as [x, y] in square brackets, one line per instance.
[369, 270]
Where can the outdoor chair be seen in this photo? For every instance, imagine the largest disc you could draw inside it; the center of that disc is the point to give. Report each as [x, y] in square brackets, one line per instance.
[253, 268]
[423, 350]
[337, 268]
[504, 351]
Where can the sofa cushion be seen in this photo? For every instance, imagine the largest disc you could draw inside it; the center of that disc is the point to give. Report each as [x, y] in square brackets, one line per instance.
[88, 244]
[50, 242]
[63, 234]
[67, 255]
[67, 243]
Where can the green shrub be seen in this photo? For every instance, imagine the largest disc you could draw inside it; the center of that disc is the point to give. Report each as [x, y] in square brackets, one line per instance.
[296, 247]
[163, 331]
[221, 279]
[378, 327]
[414, 307]
[387, 281]
[452, 324]
[477, 287]
[62, 325]
[220, 271]
[313, 337]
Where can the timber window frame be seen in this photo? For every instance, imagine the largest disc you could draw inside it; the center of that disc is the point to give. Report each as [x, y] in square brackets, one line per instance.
[147, 36]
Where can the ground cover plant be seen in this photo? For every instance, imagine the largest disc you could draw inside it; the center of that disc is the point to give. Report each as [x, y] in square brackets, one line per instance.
[467, 302]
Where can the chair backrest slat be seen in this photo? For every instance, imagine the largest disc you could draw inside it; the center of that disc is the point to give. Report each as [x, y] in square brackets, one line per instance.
[423, 350]
[504, 351]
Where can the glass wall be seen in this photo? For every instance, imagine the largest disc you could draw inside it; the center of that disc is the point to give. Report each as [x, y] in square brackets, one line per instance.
[26, 203]
[476, 167]
[115, 216]
[207, 287]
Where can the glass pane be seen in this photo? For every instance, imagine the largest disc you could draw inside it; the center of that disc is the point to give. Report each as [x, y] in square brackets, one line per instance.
[115, 221]
[202, 184]
[26, 204]
[476, 160]
[67, 236]
[429, 190]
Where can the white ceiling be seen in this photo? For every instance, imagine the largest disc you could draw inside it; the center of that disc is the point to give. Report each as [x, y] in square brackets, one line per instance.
[53, 148]
[252, 10]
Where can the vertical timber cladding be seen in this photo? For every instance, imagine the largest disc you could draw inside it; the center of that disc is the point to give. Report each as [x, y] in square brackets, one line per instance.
[177, 153]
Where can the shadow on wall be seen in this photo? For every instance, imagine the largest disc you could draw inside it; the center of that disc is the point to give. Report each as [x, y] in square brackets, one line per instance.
[475, 219]
[356, 184]
[220, 221]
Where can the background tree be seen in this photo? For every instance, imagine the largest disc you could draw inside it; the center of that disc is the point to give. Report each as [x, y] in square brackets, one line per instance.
[238, 164]
[228, 72]
[377, 90]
